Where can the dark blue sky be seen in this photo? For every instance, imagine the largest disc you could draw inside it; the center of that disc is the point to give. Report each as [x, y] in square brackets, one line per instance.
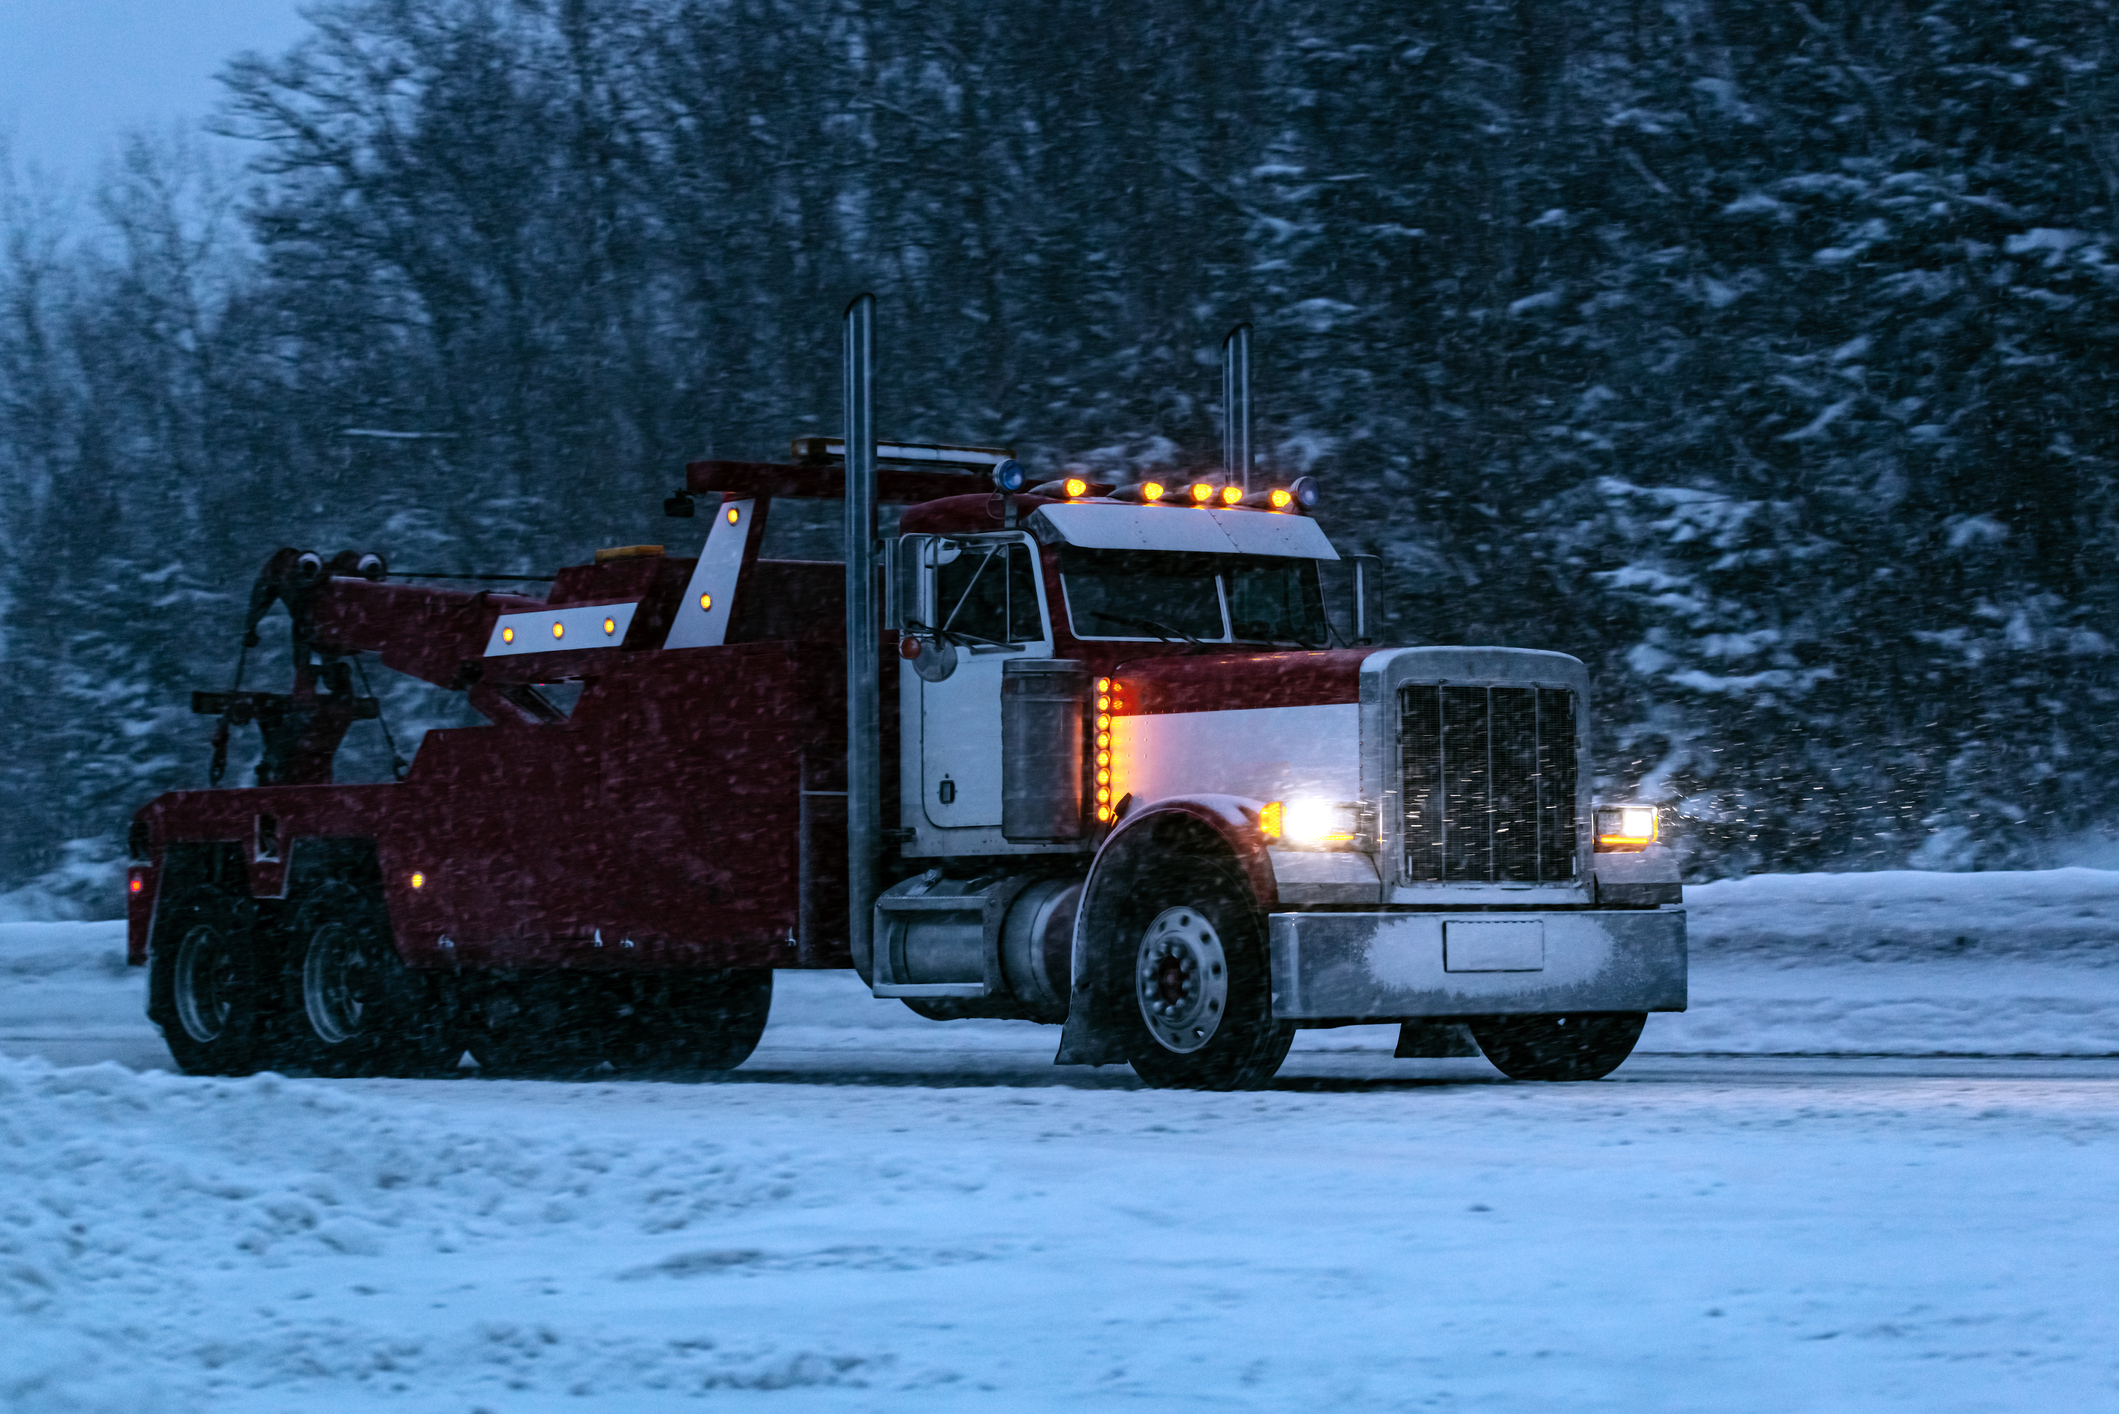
[76, 73]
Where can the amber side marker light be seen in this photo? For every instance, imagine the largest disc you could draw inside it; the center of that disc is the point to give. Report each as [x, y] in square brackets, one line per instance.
[610, 626]
[419, 881]
[507, 635]
[733, 517]
[559, 630]
[1622, 828]
[1272, 819]
[706, 602]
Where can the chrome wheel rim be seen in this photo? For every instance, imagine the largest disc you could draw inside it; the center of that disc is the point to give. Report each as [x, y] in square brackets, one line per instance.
[1182, 979]
[206, 982]
[337, 973]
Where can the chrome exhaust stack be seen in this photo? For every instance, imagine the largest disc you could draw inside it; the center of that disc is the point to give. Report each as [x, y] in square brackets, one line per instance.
[864, 646]
[1236, 407]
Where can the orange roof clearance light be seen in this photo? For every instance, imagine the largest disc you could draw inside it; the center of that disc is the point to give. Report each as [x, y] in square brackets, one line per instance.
[1271, 819]
[1280, 498]
[507, 635]
[1151, 491]
[1075, 488]
[1202, 494]
[1230, 495]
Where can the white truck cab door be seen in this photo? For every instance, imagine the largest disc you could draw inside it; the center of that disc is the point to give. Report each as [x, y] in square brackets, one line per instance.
[983, 596]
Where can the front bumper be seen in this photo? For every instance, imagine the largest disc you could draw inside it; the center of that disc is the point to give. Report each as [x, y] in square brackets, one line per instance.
[1396, 966]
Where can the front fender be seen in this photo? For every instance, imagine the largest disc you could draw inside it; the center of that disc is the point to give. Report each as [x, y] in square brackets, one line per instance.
[1094, 1033]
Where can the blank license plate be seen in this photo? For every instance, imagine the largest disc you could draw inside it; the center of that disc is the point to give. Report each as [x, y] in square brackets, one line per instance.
[1497, 945]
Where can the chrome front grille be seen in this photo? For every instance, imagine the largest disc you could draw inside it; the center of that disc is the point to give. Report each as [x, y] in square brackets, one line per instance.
[1488, 776]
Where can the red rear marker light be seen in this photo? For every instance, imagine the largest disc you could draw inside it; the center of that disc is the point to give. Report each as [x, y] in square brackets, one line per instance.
[908, 647]
[136, 884]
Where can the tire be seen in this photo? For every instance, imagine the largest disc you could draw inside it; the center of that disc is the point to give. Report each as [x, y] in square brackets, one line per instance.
[570, 1025]
[1578, 1046]
[210, 986]
[354, 1007]
[1199, 1006]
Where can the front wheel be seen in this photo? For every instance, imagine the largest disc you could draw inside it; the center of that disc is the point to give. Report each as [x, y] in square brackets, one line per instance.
[1200, 986]
[1577, 1046]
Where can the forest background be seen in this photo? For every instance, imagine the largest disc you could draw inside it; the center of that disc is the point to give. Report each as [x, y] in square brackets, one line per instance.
[1759, 354]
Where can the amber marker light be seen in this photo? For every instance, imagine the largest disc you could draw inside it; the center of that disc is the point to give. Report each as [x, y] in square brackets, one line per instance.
[1230, 495]
[1075, 488]
[1202, 494]
[1151, 491]
[610, 626]
[507, 635]
[1271, 819]
[559, 630]
[706, 601]
[733, 516]
[1280, 498]
[1103, 684]
[419, 881]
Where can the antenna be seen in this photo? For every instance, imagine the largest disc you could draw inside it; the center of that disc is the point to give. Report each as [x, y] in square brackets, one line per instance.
[863, 639]
[1236, 407]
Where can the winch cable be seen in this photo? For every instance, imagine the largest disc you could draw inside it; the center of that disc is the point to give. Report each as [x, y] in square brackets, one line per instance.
[397, 762]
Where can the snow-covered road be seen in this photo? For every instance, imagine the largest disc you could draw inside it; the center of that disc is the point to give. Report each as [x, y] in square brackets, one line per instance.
[882, 1213]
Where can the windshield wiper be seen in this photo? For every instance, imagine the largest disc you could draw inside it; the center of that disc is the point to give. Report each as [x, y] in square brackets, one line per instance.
[955, 635]
[1161, 630]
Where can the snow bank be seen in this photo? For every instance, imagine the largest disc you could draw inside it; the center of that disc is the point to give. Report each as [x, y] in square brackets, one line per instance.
[170, 1245]
[1902, 962]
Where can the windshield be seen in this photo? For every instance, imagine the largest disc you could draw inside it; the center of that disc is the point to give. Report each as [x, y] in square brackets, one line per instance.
[1173, 595]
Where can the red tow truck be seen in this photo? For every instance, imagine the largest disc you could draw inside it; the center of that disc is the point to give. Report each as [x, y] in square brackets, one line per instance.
[1073, 753]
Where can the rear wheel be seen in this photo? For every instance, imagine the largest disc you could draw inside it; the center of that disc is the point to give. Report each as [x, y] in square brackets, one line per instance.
[356, 1009]
[1202, 1002]
[1577, 1046]
[208, 986]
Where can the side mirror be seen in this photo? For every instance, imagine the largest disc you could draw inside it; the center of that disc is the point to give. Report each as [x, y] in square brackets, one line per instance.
[680, 506]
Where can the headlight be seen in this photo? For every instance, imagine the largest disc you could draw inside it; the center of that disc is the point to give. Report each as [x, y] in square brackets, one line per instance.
[1626, 827]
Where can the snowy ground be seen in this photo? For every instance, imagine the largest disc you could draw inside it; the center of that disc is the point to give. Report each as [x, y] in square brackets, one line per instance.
[882, 1213]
